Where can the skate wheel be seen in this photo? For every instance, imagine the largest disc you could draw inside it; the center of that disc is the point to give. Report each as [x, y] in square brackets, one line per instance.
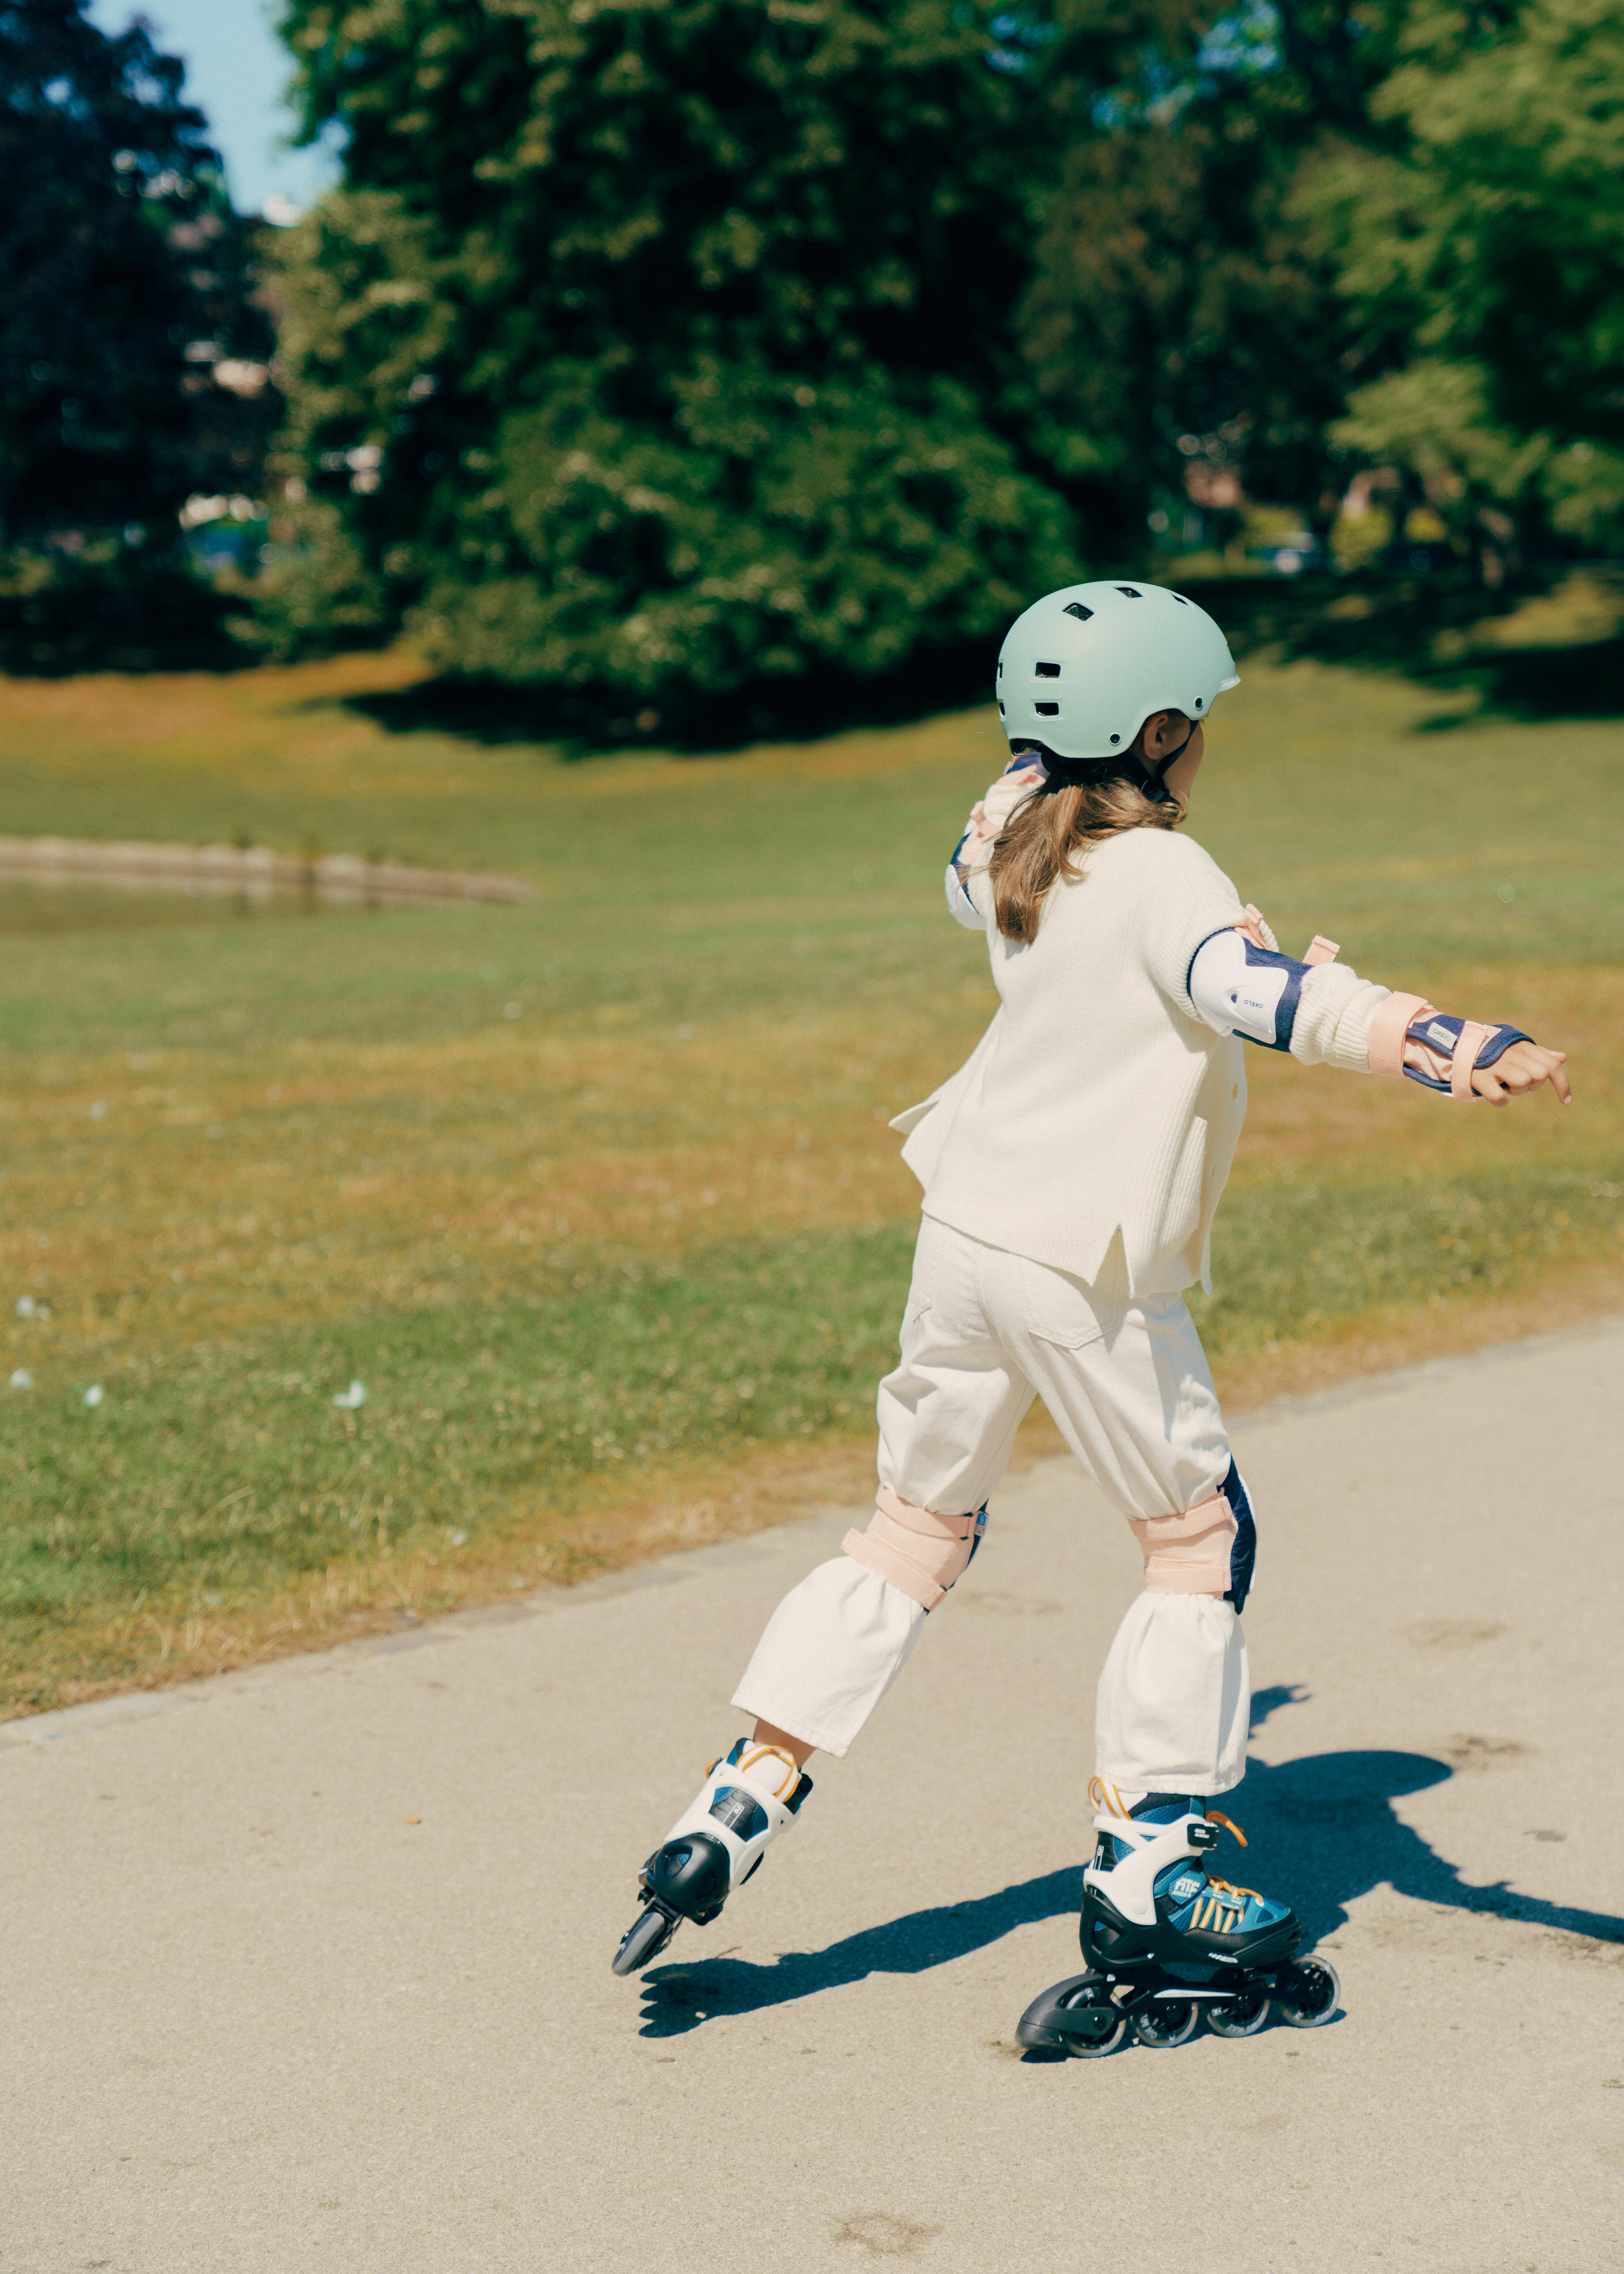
[1075, 2017]
[1167, 2022]
[645, 1938]
[1238, 2017]
[1312, 1998]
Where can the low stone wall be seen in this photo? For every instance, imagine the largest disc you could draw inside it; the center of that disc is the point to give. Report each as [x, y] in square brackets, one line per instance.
[250, 869]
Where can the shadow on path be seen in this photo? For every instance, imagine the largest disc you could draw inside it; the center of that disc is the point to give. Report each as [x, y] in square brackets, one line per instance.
[1322, 1830]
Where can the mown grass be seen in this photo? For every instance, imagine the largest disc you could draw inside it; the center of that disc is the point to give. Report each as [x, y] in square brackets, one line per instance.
[595, 1194]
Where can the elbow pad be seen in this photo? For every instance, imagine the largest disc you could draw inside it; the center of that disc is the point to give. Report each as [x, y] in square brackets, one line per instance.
[960, 907]
[1242, 988]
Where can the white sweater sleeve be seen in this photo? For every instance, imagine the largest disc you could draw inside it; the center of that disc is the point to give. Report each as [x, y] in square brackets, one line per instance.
[1332, 1023]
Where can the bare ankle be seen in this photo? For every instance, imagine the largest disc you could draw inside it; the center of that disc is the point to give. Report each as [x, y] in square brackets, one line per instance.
[797, 1748]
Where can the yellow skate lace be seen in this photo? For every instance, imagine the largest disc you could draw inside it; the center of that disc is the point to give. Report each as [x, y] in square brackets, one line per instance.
[1108, 1800]
[1228, 1887]
[755, 1754]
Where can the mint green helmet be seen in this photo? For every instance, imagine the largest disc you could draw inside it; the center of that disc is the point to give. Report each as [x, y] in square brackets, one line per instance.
[1084, 666]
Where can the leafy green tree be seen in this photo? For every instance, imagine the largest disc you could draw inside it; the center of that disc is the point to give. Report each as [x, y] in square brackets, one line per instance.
[1480, 250]
[120, 255]
[665, 347]
[1186, 341]
[128, 287]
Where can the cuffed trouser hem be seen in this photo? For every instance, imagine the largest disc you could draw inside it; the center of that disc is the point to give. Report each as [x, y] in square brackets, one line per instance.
[828, 1653]
[1172, 1708]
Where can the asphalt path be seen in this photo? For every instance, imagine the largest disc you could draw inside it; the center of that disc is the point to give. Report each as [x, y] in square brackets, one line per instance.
[309, 1968]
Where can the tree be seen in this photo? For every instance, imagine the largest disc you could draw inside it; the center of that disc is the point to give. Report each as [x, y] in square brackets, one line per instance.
[1480, 252]
[665, 347]
[1185, 339]
[124, 286]
[127, 303]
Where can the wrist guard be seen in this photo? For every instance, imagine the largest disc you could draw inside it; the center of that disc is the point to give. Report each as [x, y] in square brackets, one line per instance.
[1457, 1048]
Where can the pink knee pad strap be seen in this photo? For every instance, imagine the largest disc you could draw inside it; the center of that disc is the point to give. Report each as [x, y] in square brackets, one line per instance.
[916, 1549]
[1188, 1554]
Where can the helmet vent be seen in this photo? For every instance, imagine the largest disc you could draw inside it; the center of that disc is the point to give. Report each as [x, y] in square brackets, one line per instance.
[1116, 738]
[1076, 609]
[1049, 671]
[1000, 710]
[1181, 599]
[1047, 710]
[1128, 593]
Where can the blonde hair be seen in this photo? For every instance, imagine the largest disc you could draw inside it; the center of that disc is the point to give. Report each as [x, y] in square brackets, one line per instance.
[1050, 830]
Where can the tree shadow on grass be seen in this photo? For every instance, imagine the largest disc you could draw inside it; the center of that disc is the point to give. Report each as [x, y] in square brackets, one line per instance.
[587, 722]
[1322, 1829]
[1430, 628]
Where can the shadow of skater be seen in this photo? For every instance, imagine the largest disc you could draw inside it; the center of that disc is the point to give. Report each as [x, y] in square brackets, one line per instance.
[1322, 1831]
[679, 1998]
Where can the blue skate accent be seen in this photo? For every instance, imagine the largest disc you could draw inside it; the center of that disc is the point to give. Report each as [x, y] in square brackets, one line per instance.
[1194, 1899]
[740, 1811]
[1441, 1031]
[1244, 1549]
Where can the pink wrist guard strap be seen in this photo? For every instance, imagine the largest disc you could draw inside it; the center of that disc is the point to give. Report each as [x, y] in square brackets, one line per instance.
[916, 1549]
[1321, 950]
[1188, 1554]
[1385, 1051]
[1472, 1040]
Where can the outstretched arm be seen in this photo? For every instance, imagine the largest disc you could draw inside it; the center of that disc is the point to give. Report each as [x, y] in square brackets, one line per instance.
[974, 849]
[1325, 1014]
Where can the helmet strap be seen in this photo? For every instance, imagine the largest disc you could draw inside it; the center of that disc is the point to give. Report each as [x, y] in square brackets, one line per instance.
[1156, 777]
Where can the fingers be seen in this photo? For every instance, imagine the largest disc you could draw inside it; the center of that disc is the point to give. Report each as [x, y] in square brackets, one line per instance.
[1520, 1071]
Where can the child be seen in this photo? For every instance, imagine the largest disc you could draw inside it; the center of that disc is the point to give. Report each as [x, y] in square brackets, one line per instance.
[1072, 1168]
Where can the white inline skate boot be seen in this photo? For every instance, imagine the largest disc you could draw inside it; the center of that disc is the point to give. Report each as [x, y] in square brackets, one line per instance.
[749, 1797]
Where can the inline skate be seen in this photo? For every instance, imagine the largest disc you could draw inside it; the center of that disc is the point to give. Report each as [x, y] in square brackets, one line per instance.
[1168, 1944]
[749, 1797]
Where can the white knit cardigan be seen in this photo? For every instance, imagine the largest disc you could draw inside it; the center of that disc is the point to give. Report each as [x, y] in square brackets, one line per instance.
[1099, 1105]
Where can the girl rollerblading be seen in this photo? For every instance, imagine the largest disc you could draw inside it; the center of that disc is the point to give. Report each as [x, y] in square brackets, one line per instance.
[1072, 1168]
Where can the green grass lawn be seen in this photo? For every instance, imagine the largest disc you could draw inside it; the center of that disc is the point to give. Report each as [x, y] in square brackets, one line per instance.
[594, 1193]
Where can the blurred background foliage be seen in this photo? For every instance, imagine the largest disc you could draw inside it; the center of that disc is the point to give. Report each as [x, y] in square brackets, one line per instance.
[134, 346]
[653, 358]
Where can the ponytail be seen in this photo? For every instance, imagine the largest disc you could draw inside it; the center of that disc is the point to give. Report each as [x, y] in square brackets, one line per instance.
[1050, 830]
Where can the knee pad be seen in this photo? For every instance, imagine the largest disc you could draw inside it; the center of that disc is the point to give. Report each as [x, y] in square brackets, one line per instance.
[917, 1551]
[1208, 1550]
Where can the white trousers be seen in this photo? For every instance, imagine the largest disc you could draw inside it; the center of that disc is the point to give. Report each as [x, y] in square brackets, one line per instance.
[1128, 1385]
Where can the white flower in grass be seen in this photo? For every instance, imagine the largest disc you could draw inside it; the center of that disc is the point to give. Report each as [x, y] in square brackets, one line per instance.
[95, 1394]
[352, 1399]
[22, 1379]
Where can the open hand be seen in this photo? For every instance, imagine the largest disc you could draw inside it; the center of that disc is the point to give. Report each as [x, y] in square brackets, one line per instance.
[1519, 1071]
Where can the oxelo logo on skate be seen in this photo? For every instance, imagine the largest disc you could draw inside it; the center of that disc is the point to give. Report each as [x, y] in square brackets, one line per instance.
[1185, 1890]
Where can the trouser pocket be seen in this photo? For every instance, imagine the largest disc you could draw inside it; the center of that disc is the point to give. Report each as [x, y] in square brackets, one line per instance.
[1055, 1307]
